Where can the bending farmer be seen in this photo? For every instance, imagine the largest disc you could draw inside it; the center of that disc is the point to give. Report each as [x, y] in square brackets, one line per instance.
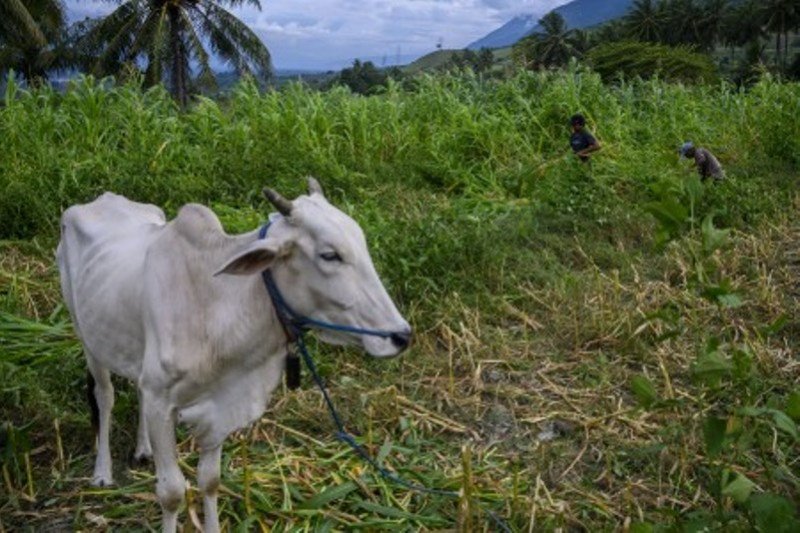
[707, 165]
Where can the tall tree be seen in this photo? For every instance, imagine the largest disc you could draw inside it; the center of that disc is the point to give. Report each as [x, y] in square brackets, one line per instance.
[681, 19]
[553, 47]
[780, 16]
[611, 31]
[744, 24]
[711, 22]
[170, 36]
[645, 21]
[485, 60]
[362, 78]
[32, 38]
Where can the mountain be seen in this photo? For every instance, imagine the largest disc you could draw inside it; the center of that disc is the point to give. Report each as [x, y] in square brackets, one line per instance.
[578, 14]
[507, 34]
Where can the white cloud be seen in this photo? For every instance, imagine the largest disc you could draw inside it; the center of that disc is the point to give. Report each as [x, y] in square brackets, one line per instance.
[328, 34]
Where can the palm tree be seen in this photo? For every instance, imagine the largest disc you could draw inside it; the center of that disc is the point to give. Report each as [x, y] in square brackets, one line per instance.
[744, 24]
[611, 31]
[780, 16]
[31, 37]
[169, 37]
[681, 22]
[555, 45]
[644, 21]
[711, 23]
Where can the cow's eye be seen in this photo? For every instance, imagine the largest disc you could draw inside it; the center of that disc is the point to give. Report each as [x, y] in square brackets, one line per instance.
[331, 256]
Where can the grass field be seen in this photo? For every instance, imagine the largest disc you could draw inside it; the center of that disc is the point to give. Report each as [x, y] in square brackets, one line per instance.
[599, 347]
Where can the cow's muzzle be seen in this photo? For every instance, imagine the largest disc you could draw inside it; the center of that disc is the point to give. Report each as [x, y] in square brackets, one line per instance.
[401, 340]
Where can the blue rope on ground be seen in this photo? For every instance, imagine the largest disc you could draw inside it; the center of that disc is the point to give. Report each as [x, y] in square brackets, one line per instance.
[346, 437]
[296, 327]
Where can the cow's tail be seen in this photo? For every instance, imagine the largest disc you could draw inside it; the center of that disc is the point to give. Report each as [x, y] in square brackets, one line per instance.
[93, 409]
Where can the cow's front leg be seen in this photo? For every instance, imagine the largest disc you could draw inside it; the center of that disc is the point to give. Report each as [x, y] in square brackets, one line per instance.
[208, 482]
[170, 483]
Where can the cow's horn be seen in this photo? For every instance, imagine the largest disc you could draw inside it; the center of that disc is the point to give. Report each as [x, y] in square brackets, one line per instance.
[314, 186]
[283, 205]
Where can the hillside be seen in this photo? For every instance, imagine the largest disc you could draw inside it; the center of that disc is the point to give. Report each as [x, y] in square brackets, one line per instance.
[431, 61]
[578, 14]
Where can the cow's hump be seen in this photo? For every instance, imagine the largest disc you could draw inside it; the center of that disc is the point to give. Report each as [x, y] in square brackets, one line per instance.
[198, 225]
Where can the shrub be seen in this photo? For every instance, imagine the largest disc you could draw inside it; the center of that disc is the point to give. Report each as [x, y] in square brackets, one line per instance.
[631, 59]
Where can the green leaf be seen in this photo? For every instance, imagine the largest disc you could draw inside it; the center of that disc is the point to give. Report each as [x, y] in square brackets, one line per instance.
[670, 215]
[784, 423]
[775, 327]
[641, 527]
[742, 363]
[793, 405]
[644, 391]
[773, 513]
[693, 188]
[383, 453]
[713, 239]
[393, 512]
[723, 295]
[711, 365]
[737, 486]
[328, 495]
[781, 420]
[697, 522]
[752, 411]
[730, 301]
[714, 434]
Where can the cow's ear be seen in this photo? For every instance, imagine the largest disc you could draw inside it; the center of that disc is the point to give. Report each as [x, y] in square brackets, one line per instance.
[253, 259]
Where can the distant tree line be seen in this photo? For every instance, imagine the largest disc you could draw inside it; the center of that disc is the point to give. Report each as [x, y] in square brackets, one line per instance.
[364, 77]
[479, 62]
[691, 26]
[172, 42]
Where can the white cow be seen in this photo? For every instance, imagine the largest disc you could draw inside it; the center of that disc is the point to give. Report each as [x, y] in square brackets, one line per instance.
[180, 308]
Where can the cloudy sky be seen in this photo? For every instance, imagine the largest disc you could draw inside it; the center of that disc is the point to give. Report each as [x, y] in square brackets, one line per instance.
[329, 34]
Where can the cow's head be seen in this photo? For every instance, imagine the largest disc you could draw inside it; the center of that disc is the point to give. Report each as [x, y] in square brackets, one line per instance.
[319, 259]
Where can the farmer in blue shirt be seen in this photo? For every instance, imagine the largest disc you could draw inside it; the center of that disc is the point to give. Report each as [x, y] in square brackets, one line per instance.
[582, 142]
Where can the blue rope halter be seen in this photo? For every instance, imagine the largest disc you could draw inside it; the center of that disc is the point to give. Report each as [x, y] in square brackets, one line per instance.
[296, 325]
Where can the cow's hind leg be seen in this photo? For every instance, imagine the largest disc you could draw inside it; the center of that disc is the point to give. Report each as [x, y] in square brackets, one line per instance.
[208, 482]
[101, 401]
[143, 451]
[170, 483]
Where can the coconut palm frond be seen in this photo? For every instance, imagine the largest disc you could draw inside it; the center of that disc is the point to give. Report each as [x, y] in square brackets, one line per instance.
[36, 30]
[239, 3]
[220, 42]
[205, 76]
[235, 41]
[18, 24]
[105, 46]
[154, 42]
[50, 15]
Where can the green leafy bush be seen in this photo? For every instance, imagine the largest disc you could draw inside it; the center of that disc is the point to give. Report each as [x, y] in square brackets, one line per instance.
[645, 60]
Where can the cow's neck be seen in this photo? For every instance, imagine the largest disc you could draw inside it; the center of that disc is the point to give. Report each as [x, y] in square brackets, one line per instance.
[244, 321]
